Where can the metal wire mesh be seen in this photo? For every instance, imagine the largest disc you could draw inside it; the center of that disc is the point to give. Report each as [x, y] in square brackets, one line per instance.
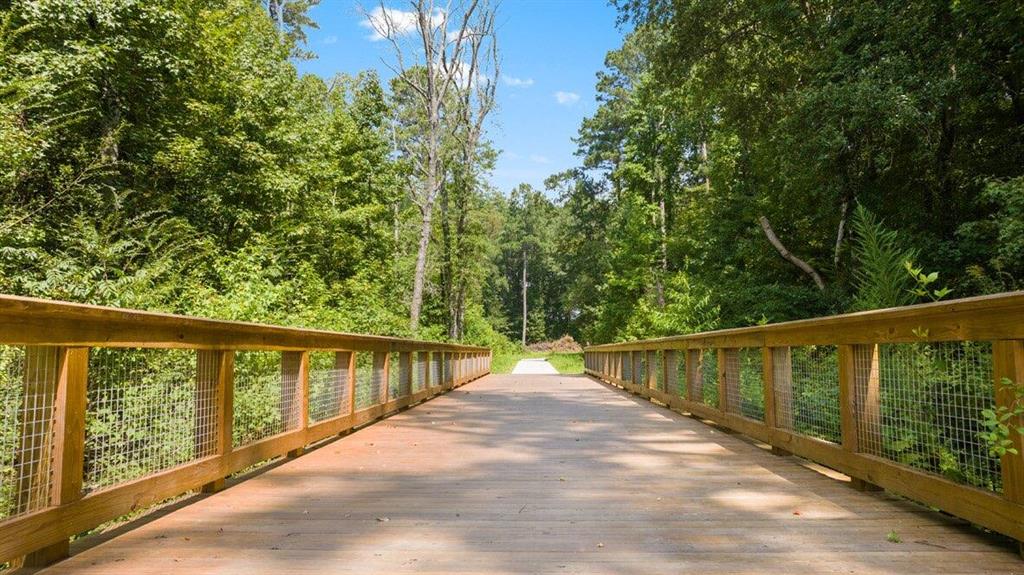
[626, 364]
[670, 361]
[745, 390]
[365, 384]
[27, 391]
[435, 369]
[264, 402]
[421, 363]
[807, 390]
[654, 361]
[404, 367]
[144, 413]
[707, 370]
[931, 397]
[394, 376]
[328, 385]
[639, 371]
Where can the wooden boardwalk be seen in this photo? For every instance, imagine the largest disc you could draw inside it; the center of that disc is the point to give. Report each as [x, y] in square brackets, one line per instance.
[542, 474]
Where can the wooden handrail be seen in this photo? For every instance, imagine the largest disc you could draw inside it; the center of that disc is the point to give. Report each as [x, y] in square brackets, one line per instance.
[980, 318]
[31, 321]
[57, 339]
[860, 376]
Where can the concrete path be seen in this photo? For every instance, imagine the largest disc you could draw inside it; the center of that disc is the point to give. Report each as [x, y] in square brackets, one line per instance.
[534, 366]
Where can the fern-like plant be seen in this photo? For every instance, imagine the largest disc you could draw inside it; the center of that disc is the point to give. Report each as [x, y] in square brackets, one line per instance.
[880, 275]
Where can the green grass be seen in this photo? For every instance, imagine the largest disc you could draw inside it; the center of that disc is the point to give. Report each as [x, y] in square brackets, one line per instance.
[564, 362]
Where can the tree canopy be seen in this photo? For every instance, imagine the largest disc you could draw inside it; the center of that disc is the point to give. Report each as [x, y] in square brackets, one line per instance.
[747, 162]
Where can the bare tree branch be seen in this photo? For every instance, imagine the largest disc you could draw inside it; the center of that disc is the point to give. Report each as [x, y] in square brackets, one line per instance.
[788, 256]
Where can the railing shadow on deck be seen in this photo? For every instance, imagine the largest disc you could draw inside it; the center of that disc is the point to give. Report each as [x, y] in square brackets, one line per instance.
[108, 411]
[896, 399]
[336, 484]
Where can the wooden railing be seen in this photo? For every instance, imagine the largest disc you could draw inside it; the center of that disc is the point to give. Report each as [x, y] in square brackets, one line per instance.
[893, 398]
[107, 411]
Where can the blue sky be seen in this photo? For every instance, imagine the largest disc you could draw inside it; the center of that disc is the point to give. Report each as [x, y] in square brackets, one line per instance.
[550, 53]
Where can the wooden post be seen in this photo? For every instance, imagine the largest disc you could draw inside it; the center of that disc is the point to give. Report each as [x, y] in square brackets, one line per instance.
[1008, 367]
[669, 375]
[405, 373]
[343, 372]
[768, 377]
[295, 392]
[59, 377]
[859, 403]
[427, 360]
[693, 376]
[215, 385]
[349, 357]
[651, 376]
[723, 381]
[868, 397]
[381, 370]
[782, 385]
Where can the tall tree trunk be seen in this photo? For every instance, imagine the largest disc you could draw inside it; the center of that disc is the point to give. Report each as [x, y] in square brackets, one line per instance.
[841, 232]
[664, 245]
[458, 311]
[447, 268]
[419, 277]
[524, 296]
[704, 162]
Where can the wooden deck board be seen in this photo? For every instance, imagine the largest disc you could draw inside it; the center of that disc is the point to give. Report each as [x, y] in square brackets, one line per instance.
[542, 474]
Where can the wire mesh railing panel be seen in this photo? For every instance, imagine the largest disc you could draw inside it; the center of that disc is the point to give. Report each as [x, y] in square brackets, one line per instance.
[366, 384]
[626, 363]
[442, 367]
[931, 399]
[639, 369]
[328, 385]
[746, 397]
[435, 368]
[405, 370]
[670, 360]
[655, 361]
[708, 370]
[421, 363]
[264, 402]
[28, 379]
[379, 380]
[807, 396]
[143, 413]
[677, 372]
[395, 375]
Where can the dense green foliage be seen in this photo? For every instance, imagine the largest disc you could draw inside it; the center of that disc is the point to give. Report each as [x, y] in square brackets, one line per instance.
[864, 133]
[167, 155]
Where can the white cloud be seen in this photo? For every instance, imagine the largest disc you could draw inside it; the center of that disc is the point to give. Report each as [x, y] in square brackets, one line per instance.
[384, 22]
[539, 159]
[331, 40]
[516, 82]
[566, 98]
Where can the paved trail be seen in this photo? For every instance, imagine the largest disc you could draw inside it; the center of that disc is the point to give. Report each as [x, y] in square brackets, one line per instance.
[534, 366]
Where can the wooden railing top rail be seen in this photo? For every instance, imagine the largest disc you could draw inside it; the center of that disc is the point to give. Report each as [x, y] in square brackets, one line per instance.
[978, 318]
[31, 321]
